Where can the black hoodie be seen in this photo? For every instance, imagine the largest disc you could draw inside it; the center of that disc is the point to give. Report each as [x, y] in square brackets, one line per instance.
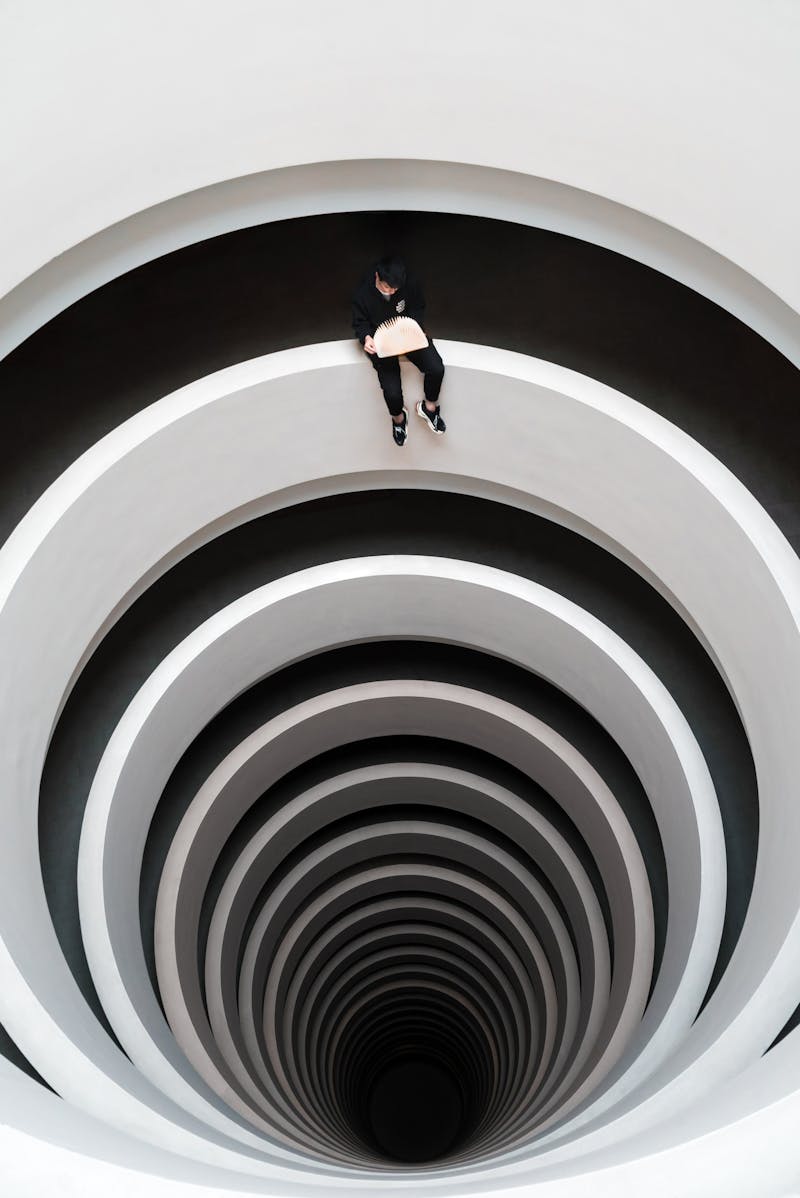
[370, 308]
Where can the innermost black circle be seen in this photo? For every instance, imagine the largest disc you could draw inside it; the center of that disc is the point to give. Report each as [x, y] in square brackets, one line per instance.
[414, 1111]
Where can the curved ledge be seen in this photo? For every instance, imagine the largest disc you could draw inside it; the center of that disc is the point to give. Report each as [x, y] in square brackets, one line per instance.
[450, 790]
[228, 803]
[507, 616]
[396, 184]
[634, 447]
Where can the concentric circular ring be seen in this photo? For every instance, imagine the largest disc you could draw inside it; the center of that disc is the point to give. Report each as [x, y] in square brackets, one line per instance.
[406, 927]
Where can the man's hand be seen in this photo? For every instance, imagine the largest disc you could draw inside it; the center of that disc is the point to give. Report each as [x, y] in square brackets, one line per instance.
[369, 345]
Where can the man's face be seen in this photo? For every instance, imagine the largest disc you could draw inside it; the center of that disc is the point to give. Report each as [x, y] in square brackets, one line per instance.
[384, 288]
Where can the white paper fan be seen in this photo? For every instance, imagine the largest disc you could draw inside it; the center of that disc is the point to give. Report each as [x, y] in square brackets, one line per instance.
[400, 335]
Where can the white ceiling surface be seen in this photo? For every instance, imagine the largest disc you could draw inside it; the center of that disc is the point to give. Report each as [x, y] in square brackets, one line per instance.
[686, 112]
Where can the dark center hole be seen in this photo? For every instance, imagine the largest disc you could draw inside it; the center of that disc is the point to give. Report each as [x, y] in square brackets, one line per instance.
[415, 1112]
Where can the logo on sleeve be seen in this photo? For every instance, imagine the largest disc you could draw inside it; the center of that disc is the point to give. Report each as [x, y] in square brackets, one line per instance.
[400, 306]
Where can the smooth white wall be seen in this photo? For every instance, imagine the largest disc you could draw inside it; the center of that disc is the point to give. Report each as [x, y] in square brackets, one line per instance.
[686, 112]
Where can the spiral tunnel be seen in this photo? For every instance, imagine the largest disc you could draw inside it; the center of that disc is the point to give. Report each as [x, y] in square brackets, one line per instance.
[379, 820]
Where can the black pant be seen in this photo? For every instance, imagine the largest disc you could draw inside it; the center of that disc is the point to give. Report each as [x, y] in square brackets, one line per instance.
[427, 360]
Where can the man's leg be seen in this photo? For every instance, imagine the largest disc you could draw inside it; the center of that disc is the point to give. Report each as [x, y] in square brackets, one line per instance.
[429, 361]
[388, 371]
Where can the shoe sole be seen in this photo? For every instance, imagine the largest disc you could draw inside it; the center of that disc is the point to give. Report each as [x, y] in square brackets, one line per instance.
[420, 412]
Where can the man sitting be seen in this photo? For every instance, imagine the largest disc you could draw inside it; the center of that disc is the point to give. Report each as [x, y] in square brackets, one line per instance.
[387, 292]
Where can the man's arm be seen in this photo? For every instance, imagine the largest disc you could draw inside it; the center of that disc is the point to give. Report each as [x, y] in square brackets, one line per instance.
[415, 302]
[363, 326]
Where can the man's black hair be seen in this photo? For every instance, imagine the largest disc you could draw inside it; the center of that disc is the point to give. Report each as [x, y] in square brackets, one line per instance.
[391, 270]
